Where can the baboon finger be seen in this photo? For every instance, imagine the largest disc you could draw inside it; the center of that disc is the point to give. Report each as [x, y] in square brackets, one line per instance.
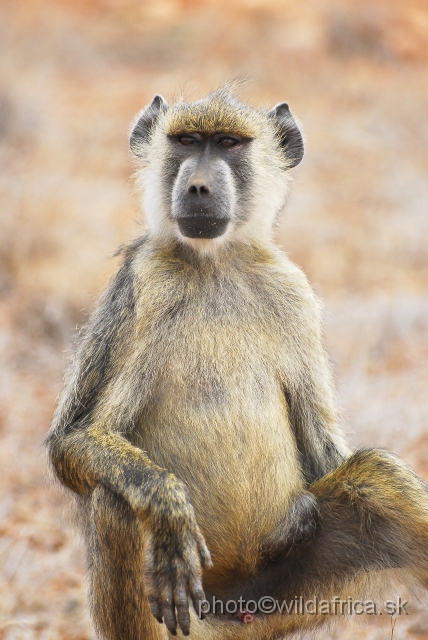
[168, 610]
[151, 589]
[182, 606]
[203, 550]
[197, 595]
[155, 608]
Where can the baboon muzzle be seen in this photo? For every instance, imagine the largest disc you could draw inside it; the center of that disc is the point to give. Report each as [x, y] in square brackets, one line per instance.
[202, 226]
[202, 197]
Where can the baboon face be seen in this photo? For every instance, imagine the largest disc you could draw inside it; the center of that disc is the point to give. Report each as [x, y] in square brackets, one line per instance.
[206, 180]
[212, 163]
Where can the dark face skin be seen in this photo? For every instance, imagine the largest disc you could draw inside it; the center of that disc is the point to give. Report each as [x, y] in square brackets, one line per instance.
[206, 176]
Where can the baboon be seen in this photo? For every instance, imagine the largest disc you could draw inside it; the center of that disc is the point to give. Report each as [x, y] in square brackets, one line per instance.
[198, 427]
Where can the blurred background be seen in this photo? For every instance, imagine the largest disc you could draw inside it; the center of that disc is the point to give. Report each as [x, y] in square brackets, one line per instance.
[73, 74]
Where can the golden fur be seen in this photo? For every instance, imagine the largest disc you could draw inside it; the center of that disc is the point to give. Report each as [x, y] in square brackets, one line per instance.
[199, 413]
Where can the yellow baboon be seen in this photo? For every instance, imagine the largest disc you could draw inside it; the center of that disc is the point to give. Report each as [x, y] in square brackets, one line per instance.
[198, 426]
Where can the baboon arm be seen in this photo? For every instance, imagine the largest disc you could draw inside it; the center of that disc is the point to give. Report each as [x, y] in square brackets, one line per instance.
[174, 548]
[83, 443]
[312, 410]
[313, 419]
[87, 457]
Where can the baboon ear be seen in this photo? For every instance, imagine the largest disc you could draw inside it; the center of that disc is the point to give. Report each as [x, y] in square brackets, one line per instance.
[146, 119]
[291, 140]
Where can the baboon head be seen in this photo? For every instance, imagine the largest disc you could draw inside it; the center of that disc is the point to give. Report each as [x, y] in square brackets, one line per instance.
[215, 169]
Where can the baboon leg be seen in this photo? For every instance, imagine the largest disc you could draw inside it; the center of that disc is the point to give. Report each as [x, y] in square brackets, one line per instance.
[373, 516]
[115, 562]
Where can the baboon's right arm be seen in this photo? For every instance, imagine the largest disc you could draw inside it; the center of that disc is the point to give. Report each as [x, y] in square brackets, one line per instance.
[86, 448]
[84, 442]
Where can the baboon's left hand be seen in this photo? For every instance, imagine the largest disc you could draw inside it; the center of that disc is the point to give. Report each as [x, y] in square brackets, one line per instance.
[298, 527]
[175, 553]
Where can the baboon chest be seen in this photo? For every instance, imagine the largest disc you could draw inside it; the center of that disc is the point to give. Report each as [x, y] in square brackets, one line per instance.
[217, 416]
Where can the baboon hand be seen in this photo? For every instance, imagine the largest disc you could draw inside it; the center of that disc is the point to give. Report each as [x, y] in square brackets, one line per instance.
[298, 527]
[303, 519]
[175, 553]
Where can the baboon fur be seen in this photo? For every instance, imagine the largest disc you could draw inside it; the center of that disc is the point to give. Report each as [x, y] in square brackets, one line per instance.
[198, 426]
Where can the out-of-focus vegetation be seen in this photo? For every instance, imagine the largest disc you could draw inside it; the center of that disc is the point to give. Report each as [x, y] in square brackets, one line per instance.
[72, 76]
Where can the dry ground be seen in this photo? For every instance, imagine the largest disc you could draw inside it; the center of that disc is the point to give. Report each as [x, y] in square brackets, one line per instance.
[72, 76]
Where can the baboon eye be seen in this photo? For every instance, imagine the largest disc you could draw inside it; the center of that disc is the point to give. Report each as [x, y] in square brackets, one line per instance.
[186, 140]
[228, 142]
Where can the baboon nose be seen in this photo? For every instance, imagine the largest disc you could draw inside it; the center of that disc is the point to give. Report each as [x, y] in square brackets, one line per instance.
[199, 188]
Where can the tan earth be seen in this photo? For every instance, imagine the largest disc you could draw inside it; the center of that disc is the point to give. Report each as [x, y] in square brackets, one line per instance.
[72, 76]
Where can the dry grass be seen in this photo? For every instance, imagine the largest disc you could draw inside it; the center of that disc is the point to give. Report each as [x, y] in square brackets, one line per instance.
[72, 76]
